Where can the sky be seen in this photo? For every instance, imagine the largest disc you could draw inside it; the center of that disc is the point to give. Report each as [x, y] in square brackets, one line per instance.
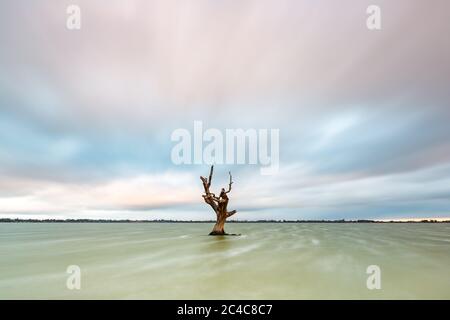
[86, 116]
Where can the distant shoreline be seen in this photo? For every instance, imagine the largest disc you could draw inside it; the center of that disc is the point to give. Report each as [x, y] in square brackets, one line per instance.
[7, 220]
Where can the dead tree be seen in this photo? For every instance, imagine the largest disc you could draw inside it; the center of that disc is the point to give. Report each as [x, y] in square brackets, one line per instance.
[218, 204]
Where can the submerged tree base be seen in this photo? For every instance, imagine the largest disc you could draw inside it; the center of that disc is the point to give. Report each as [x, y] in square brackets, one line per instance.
[215, 233]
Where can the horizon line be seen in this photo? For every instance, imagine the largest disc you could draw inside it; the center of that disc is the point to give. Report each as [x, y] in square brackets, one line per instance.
[88, 220]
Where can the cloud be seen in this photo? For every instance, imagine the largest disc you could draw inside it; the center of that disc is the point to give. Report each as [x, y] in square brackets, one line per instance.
[296, 192]
[86, 116]
[139, 193]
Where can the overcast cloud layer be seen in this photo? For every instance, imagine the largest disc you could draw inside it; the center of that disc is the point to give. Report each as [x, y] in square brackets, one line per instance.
[86, 116]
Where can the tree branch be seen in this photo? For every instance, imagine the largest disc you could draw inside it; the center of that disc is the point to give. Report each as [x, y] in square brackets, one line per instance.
[207, 182]
[209, 197]
[231, 182]
[210, 176]
[229, 214]
[218, 204]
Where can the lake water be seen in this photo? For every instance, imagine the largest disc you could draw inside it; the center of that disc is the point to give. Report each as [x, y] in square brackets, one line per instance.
[268, 261]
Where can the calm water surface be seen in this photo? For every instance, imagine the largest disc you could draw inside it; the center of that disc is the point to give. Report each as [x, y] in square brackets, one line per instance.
[269, 261]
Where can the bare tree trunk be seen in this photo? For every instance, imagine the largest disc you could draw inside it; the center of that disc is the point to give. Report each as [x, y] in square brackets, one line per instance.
[219, 227]
[218, 204]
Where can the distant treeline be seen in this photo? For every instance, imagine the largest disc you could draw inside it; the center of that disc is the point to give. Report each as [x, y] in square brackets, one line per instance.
[7, 220]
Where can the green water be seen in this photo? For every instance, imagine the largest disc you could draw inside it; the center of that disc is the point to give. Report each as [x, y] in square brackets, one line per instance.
[269, 261]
